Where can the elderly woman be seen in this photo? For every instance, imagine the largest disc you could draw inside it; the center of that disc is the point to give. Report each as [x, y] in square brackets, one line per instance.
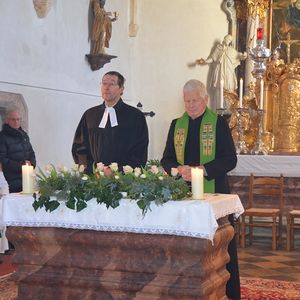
[15, 150]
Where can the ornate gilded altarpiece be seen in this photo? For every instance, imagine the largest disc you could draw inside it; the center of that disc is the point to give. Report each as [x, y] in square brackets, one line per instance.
[283, 77]
[281, 121]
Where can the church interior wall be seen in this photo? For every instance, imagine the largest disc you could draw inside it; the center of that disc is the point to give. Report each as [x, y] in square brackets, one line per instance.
[44, 61]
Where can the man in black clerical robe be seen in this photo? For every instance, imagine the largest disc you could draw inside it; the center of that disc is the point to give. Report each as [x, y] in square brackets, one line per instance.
[111, 132]
[202, 138]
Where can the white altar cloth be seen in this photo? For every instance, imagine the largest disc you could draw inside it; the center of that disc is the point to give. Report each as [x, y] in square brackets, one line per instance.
[267, 165]
[192, 218]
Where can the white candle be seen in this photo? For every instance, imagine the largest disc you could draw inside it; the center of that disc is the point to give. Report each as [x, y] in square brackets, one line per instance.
[197, 183]
[27, 179]
[241, 92]
[221, 93]
[261, 103]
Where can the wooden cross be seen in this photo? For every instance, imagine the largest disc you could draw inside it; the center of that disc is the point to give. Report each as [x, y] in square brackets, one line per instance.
[288, 43]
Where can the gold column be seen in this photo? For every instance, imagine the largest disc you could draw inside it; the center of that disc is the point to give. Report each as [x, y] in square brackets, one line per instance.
[287, 108]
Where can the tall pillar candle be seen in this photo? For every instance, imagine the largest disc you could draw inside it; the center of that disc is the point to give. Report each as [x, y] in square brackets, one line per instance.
[241, 92]
[197, 184]
[221, 93]
[261, 103]
[27, 179]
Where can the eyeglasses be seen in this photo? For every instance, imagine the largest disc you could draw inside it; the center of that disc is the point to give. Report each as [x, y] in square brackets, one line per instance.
[110, 84]
[15, 120]
[194, 101]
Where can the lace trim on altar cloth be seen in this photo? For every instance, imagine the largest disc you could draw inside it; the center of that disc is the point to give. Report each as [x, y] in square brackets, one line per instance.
[236, 211]
[112, 228]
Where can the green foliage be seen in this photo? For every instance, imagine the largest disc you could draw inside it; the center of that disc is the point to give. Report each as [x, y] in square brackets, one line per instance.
[146, 186]
[152, 162]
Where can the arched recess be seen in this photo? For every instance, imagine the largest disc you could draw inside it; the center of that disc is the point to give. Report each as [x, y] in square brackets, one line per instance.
[11, 101]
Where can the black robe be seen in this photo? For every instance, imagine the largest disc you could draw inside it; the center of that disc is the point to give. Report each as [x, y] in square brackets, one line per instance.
[125, 144]
[225, 160]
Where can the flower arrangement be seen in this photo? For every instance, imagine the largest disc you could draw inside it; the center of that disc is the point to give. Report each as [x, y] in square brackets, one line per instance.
[144, 185]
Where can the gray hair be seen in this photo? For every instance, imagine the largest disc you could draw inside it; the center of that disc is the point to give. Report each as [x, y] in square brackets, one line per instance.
[195, 84]
[8, 112]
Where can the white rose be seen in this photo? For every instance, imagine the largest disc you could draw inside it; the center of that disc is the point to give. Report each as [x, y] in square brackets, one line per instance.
[114, 167]
[100, 166]
[62, 168]
[75, 167]
[81, 168]
[49, 168]
[160, 178]
[174, 171]
[143, 176]
[117, 177]
[127, 169]
[154, 169]
[137, 172]
[84, 178]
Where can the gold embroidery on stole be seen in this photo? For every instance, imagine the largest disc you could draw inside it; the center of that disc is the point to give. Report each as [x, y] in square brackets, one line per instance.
[207, 139]
[179, 139]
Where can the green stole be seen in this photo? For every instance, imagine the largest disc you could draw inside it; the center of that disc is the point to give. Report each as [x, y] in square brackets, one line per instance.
[207, 141]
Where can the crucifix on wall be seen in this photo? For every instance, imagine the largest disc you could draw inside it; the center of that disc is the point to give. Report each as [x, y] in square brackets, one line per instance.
[288, 43]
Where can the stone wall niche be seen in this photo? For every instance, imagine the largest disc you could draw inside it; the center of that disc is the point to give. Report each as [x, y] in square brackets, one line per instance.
[42, 7]
[11, 101]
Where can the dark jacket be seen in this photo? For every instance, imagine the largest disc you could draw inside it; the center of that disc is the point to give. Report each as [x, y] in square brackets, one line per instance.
[15, 148]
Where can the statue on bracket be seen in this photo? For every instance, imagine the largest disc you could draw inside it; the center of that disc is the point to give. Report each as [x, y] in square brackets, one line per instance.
[102, 28]
[224, 60]
[101, 34]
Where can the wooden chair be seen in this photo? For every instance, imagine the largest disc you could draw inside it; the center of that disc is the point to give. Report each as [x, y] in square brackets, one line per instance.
[238, 230]
[290, 226]
[264, 217]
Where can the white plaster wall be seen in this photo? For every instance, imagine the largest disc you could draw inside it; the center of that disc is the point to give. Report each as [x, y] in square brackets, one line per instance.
[172, 35]
[44, 60]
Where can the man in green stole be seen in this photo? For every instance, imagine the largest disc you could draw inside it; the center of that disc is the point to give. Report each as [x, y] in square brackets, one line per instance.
[200, 138]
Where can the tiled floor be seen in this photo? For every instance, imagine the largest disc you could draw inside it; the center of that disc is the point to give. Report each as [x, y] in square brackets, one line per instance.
[258, 260]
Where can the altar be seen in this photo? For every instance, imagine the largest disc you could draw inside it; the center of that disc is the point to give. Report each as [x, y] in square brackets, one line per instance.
[176, 251]
[267, 165]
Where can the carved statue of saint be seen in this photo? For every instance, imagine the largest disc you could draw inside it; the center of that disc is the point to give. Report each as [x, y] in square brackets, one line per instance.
[225, 59]
[102, 27]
